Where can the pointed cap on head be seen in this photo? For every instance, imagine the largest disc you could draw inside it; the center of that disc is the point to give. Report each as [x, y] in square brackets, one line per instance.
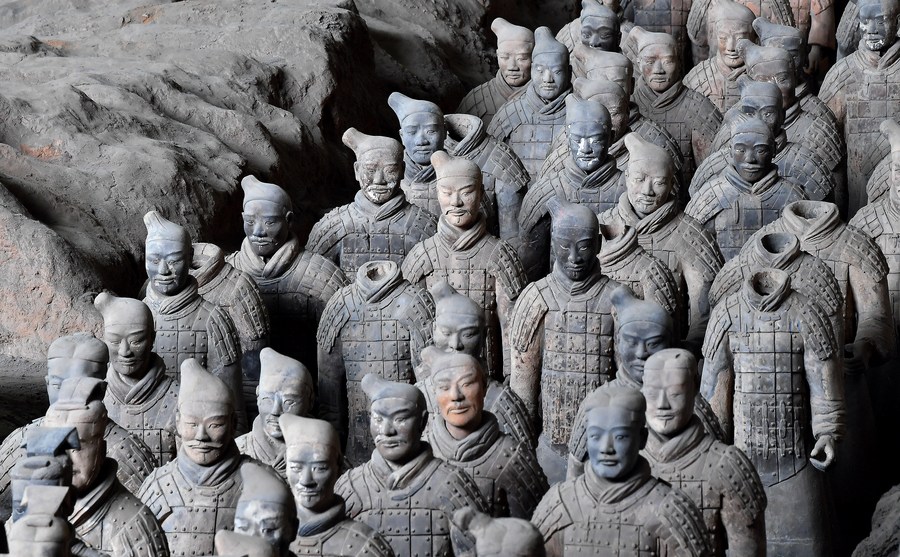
[601, 90]
[612, 396]
[546, 43]
[262, 485]
[500, 537]
[448, 301]
[299, 430]
[643, 38]
[628, 308]
[377, 388]
[565, 215]
[752, 89]
[640, 150]
[79, 346]
[362, 143]
[80, 405]
[741, 123]
[891, 129]
[578, 110]
[242, 545]
[673, 358]
[728, 10]
[404, 107]
[593, 8]
[160, 228]
[116, 310]
[595, 63]
[507, 31]
[199, 385]
[255, 190]
[754, 54]
[273, 364]
[446, 361]
[446, 166]
[777, 34]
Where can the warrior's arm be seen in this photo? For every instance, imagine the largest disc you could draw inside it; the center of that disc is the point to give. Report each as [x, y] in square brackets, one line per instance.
[873, 314]
[826, 394]
[823, 26]
[717, 384]
[525, 372]
[509, 201]
[698, 284]
[743, 505]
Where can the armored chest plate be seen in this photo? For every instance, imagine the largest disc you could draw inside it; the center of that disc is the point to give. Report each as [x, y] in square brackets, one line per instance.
[532, 141]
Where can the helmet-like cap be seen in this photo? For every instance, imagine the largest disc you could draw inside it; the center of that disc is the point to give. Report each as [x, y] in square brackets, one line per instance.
[546, 43]
[255, 190]
[199, 385]
[601, 90]
[448, 301]
[643, 38]
[446, 167]
[452, 360]
[774, 34]
[626, 398]
[299, 430]
[80, 405]
[752, 89]
[728, 10]
[631, 309]
[593, 8]
[404, 107]
[673, 358]
[565, 215]
[640, 150]
[741, 123]
[754, 54]
[377, 388]
[44, 520]
[116, 310]
[578, 110]
[506, 31]
[79, 346]
[160, 228]
[362, 143]
[262, 485]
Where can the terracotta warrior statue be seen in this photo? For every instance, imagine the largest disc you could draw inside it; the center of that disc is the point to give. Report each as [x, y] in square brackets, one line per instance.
[422, 133]
[44, 531]
[460, 326]
[764, 331]
[561, 333]
[295, 284]
[404, 491]
[617, 504]
[505, 470]
[78, 355]
[314, 463]
[378, 324]
[716, 77]
[496, 537]
[643, 328]
[689, 117]
[597, 27]
[187, 326]
[196, 495]
[477, 264]
[46, 463]
[514, 45]
[529, 121]
[860, 90]
[107, 517]
[285, 387]
[748, 194]
[702, 23]
[266, 509]
[718, 478]
[140, 396]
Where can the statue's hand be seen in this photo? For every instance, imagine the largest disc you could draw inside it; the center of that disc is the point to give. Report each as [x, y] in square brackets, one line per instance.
[857, 356]
[824, 448]
[814, 59]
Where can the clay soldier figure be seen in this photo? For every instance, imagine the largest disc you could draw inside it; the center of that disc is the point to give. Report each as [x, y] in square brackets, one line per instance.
[422, 133]
[46, 463]
[514, 45]
[690, 118]
[748, 194]
[266, 509]
[314, 464]
[477, 264]
[187, 326]
[718, 478]
[295, 284]
[380, 324]
[561, 333]
[140, 396]
[702, 29]
[505, 470]
[764, 346]
[380, 224]
[716, 78]
[460, 326]
[44, 531]
[285, 387]
[195, 495]
[107, 517]
[78, 355]
[650, 208]
[597, 27]
[404, 491]
[529, 122]
[617, 505]
[860, 90]
[497, 537]
[663, 18]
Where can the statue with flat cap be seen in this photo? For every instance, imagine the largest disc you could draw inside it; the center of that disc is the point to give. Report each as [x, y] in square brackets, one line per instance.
[529, 121]
[748, 194]
[44, 531]
[196, 495]
[379, 324]
[314, 464]
[106, 517]
[478, 264]
[704, 26]
[718, 478]
[497, 537]
[266, 509]
[598, 26]
[617, 506]
[505, 470]
[861, 90]
[187, 326]
[140, 395]
[295, 284]
[763, 332]
[716, 77]
[460, 326]
[46, 463]
[514, 46]
[404, 491]
[285, 387]
[234, 544]
[78, 355]
[561, 333]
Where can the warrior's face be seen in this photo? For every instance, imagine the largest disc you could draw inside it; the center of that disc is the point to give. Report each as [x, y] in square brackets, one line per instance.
[206, 430]
[396, 424]
[660, 67]
[752, 155]
[780, 73]
[458, 332]
[60, 369]
[460, 200]
[514, 59]
[312, 470]
[879, 29]
[130, 343]
[267, 226]
[670, 399]
[600, 33]
[649, 185]
[279, 394]
[615, 437]
[460, 395]
[266, 520]
[767, 109]
[167, 263]
[575, 250]
[638, 340]
[588, 142]
[728, 33]
[550, 75]
[378, 173]
[422, 133]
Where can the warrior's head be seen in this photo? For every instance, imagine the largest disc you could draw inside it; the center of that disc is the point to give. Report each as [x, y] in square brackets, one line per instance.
[589, 130]
[76, 355]
[599, 26]
[460, 385]
[313, 463]
[379, 164]
[600, 64]
[285, 387]
[752, 147]
[769, 64]
[268, 214]
[642, 329]
[762, 100]
[459, 322]
[128, 332]
[783, 36]
[514, 46]
[650, 176]
[460, 189]
[266, 508]
[616, 431]
[550, 70]
[397, 418]
[728, 22]
[659, 59]
[500, 537]
[879, 21]
[574, 238]
[204, 417]
[167, 255]
[422, 129]
[612, 97]
[671, 383]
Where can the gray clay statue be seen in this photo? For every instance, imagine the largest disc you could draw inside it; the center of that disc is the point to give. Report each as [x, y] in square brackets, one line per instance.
[285, 387]
[597, 27]
[295, 284]
[617, 505]
[44, 530]
[46, 463]
[404, 482]
[514, 46]
[661, 19]
[314, 464]
[497, 537]
[718, 478]
[266, 508]
[705, 31]
[140, 396]
[106, 516]
[505, 470]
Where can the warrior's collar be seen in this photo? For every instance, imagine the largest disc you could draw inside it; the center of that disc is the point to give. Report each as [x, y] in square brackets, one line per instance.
[400, 477]
[270, 451]
[466, 131]
[616, 248]
[760, 187]
[139, 391]
[312, 524]
[812, 230]
[167, 305]
[659, 100]
[580, 179]
[373, 290]
[248, 261]
[770, 296]
[777, 260]
[212, 475]
[417, 173]
[380, 212]
[576, 287]
[652, 222]
[609, 492]
[669, 449]
[461, 239]
[542, 106]
[471, 446]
